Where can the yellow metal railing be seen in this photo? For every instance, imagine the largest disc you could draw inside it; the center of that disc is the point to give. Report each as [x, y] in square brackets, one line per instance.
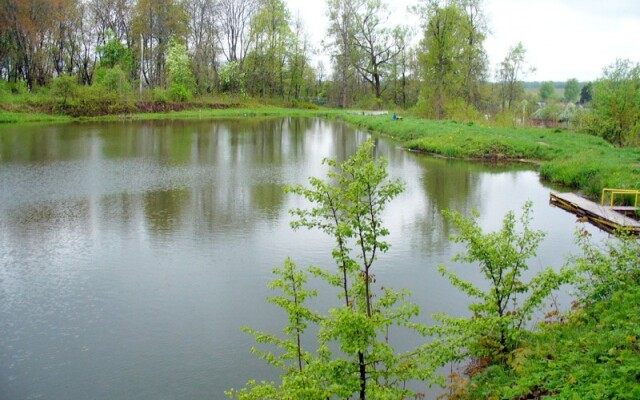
[619, 192]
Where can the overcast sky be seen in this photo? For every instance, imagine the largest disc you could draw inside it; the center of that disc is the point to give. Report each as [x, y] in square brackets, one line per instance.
[564, 38]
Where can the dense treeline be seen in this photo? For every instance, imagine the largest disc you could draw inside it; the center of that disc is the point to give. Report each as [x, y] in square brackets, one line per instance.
[101, 56]
[256, 48]
[198, 46]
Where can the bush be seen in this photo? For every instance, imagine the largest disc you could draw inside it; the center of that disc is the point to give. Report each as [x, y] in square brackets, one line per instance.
[114, 79]
[179, 93]
[159, 95]
[64, 88]
[95, 101]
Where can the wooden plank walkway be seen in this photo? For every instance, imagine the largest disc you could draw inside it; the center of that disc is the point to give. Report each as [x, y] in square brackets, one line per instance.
[604, 217]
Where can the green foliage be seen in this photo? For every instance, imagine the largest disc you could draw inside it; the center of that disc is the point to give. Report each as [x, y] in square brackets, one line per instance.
[5, 91]
[616, 104]
[96, 101]
[113, 53]
[63, 88]
[603, 272]
[550, 112]
[586, 93]
[159, 23]
[272, 35]
[509, 75]
[591, 353]
[179, 93]
[572, 91]
[452, 57]
[181, 80]
[547, 90]
[113, 79]
[232, 78]
[497, 327]
[160, 96]
[354, 356]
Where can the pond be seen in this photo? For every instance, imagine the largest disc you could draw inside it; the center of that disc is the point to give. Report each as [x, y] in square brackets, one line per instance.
[132, 253]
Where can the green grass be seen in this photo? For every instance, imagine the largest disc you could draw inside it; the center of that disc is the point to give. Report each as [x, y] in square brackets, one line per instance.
[593, 355]
[8, 117]
[579, 161]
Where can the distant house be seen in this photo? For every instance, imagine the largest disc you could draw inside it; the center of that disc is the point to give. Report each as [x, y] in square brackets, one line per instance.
[553, 115]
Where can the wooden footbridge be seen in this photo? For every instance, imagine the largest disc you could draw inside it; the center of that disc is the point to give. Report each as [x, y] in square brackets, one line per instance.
[607, 216]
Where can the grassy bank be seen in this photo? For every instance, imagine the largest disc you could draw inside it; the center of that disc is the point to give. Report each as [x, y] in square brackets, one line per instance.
[595, 354]
[580, 161]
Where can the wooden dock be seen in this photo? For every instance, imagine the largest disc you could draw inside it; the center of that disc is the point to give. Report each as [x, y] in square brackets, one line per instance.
[606, 218]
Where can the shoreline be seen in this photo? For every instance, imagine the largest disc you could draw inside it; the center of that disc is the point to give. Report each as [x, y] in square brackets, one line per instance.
[578, 161]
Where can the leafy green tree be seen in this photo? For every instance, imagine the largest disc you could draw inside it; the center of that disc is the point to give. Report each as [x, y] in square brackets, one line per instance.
[271, 36]
[547, 90]
[354, 356]
[616, 104]
[509, 75]
[115, 66]
[340, 44]
[572, 91]
[232, 78]
[294, 360]
[375, 44]
[500, 312]
[181, 80]
[155, 23]
[63, 88]
[585, 93]
[590, 351]
[113, 53]
[298, 61]
[453, 58]
[203, 42]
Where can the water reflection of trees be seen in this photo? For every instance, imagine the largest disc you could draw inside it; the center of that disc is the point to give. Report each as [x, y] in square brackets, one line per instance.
[454, 185]
[177, 175]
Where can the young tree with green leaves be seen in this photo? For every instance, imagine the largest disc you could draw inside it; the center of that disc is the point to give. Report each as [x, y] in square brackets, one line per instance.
[271, 37]
[500, 312]
[181, 80]
[509, 75]
[603, 271]
[616, 104]
[354, 357]
[452, 57]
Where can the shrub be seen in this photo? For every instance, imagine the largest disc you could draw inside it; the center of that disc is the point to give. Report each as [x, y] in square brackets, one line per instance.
[160, 95]
[113, 79]
[64, 88]
[179, 92]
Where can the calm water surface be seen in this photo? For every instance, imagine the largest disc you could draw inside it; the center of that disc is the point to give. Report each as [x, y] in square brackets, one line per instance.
[131, 254]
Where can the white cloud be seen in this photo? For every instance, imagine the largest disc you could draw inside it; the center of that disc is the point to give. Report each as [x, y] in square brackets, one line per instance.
[564, 38]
